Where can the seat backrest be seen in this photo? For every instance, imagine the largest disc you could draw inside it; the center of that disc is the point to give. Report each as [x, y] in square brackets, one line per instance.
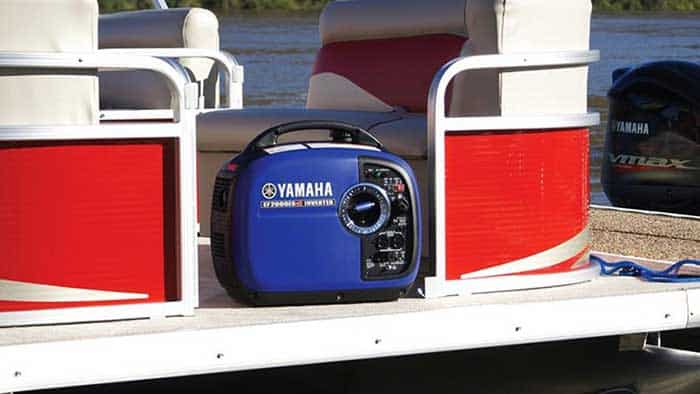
[164, 28]
[48, 97]
[381, 54]
[517, 26]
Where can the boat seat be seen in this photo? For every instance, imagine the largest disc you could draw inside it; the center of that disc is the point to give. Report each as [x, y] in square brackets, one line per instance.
[164, 28]
[380, 57]
[374, 69]
[48, 97]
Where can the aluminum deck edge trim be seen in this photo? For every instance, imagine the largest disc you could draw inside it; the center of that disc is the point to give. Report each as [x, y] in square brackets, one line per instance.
[193, 352]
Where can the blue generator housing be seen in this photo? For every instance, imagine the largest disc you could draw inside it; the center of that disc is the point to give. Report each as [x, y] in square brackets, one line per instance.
[316, 222]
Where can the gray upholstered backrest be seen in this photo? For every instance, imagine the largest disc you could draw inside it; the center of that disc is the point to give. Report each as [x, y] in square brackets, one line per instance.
[48, 97]
[168, 28]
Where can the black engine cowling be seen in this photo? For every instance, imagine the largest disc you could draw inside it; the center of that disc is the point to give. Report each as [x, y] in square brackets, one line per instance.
[652, 144]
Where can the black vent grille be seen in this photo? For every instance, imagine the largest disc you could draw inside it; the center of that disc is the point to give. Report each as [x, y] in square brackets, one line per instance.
[222, 188]
[218, 248]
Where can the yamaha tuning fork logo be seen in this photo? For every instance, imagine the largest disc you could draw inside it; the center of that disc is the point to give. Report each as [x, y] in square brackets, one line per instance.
[297, 195]
[269, 191]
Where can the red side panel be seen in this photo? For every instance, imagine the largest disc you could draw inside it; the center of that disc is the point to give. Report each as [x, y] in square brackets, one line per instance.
[397, 71]
[513, 195]
[94, 215]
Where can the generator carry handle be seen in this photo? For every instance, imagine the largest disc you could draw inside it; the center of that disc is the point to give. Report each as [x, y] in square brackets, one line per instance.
[340, 132]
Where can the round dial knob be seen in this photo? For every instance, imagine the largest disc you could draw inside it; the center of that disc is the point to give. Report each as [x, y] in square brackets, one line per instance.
[364, 209]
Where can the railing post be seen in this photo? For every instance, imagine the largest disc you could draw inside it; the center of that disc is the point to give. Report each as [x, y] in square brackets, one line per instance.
[159, 4]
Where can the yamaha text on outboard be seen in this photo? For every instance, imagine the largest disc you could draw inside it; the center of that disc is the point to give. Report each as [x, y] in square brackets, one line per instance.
[652, 146]
[324, 222]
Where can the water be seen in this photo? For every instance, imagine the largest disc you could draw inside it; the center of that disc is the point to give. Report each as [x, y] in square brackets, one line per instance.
[278, 51]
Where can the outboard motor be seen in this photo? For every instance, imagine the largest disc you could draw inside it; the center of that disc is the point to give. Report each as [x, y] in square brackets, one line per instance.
[652, 145]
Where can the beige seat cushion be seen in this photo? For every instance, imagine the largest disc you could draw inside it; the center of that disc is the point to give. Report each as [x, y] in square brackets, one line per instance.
[48, 97]
[169, 28]
[232, 130]
[376, 19]
[519, 26]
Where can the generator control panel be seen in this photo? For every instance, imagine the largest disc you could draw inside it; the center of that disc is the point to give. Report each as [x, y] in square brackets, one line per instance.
[381, 210]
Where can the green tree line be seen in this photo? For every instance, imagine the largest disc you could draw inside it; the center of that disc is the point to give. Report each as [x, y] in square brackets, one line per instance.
[312, 5]
[218, 5]
[646, 5]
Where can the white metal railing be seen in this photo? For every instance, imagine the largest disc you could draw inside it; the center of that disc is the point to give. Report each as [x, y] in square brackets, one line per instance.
[180, 125]
[439, 124]
[229, 69]
[172, 74]
[159, 4]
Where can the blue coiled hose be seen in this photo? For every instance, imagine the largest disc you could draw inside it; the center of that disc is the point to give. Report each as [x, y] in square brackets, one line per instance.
[629, 268]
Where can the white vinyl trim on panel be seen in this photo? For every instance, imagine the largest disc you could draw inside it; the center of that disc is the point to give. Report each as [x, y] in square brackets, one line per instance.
[18, 291]
[556, 255]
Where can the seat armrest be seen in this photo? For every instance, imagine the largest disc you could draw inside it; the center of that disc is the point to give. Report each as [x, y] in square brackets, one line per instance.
[194, 29]
[225, 64]
[167, 28]
[172, 77]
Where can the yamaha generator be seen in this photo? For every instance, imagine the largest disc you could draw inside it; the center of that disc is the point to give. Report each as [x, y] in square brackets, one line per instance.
[316, 222]
[652, 145]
